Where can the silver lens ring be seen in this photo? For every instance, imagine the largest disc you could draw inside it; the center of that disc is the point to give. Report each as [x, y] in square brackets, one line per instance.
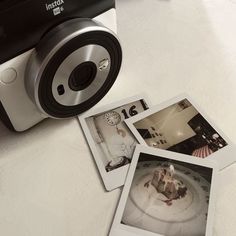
[91, 53]
[72, 69]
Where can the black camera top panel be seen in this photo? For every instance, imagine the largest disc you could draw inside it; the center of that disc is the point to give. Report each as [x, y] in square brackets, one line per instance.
[7, 4]
[24, 22]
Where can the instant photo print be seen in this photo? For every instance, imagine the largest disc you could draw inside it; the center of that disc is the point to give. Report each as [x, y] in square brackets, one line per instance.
[179, 125]
[111, 142]
[166, 194]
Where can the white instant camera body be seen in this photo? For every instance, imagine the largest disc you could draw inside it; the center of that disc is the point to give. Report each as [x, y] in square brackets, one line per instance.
[57, 59]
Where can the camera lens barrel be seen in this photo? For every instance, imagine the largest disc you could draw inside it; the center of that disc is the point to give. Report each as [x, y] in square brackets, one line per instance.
[73, 67]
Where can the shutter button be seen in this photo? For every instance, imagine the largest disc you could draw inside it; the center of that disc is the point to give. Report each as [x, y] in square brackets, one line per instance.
[8, 76]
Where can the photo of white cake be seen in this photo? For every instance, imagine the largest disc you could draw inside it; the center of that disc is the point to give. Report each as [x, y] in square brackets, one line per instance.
[168, 193]
[164, 182]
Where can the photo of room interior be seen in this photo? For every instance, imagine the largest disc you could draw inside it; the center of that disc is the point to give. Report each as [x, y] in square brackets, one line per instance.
[180, 128]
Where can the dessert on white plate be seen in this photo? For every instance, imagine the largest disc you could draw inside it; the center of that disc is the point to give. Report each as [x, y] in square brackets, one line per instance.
[164, 182]
[167, 199]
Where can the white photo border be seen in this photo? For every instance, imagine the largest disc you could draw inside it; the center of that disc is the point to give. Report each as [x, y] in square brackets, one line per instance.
[225, 156]
[115, 178]
[118, 228]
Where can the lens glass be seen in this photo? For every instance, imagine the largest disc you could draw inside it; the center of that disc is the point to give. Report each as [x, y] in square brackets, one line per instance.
[82, 76]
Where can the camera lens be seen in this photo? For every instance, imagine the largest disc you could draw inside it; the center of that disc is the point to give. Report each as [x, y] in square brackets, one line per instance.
[71, 70]
[82, 76]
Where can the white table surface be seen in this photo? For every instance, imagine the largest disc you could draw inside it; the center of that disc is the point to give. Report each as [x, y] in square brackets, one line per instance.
[49, 184]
